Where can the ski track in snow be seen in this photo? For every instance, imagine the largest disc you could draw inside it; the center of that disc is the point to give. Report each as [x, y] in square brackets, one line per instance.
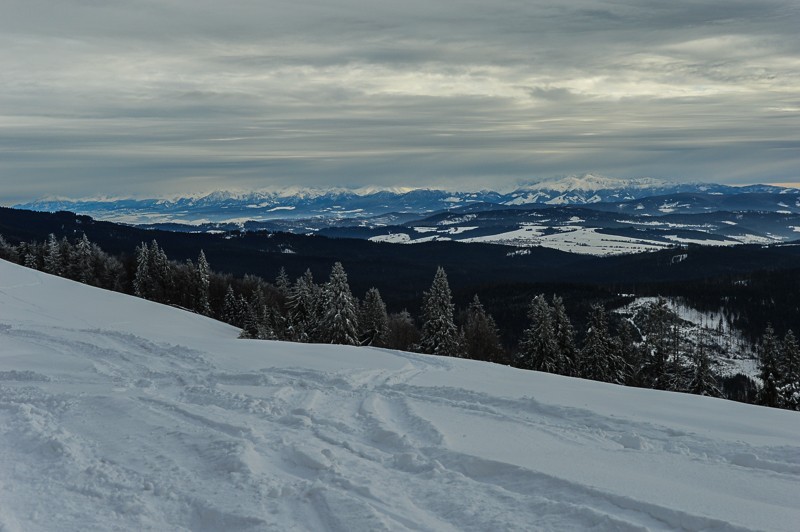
[103, 428]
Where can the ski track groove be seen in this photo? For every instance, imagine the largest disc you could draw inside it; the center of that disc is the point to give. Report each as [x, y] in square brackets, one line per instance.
[368, 426]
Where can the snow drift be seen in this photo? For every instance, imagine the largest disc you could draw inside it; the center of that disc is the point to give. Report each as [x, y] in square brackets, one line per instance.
[118, 413]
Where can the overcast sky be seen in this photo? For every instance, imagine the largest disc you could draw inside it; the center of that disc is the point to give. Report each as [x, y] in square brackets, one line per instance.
[157, 97]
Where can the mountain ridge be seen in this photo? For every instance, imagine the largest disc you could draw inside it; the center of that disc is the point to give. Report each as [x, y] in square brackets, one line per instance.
[226, 206]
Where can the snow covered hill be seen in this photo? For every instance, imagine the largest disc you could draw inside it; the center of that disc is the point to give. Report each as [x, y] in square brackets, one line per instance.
[121, 414]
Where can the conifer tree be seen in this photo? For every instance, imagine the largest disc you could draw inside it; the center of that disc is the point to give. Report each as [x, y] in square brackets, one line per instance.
[340, 320]
[52, 256]
[565, 338]
[282, 283]
[142, 281]
[768, 365]
[8, 251]
[439, 333]
[600, 360]
[203, 285]
[703, 381]
[790, 372]
[82, 265]
[631, 354]
[160, 271]
[657, 344]
[230, 307]
[481, 338]
[538, 349]
[31, 260]
[301, 304]
[374, 321]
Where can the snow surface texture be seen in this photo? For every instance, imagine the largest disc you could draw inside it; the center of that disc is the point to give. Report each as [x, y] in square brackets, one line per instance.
[121, 414]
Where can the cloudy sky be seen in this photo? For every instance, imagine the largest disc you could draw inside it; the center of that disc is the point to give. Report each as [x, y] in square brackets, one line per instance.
[158, 97]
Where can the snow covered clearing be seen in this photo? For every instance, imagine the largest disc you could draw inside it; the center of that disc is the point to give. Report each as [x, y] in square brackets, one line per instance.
[733, 353]
[120, 414]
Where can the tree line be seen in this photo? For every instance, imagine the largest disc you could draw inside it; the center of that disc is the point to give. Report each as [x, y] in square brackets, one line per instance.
[646, 350]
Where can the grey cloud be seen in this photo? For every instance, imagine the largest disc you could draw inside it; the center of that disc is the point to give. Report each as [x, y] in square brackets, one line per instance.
[148, 97]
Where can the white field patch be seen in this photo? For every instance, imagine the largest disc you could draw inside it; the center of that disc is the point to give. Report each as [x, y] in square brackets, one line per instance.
[571, 238]
[394, 238]
[120, 414]
[526, 235]
[589, 241]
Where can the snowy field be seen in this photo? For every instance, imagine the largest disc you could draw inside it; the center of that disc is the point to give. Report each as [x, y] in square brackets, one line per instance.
[121, 414]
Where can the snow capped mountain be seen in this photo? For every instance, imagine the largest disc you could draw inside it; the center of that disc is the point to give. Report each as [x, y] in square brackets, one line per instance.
[121, 414]
[224, 206]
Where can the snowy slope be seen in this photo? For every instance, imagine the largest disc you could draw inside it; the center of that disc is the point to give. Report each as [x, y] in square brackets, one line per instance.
[120, 414]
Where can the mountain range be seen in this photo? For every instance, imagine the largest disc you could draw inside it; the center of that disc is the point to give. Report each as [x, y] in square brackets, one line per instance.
[590, 215]
[342, 203]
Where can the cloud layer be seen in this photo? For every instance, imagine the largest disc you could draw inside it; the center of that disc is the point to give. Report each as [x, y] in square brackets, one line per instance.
[160, 97]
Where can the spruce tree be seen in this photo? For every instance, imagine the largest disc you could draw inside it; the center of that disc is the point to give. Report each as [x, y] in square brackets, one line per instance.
[565, 338]
[631, 354]
[203, 285]
[481, 338]
[790, 372]
[8, 251]
[339, 323]
[282, 283]
[229, 307]
[439, 333]
[768, 365]
[703, 381]
[657, 344]
[142, 280]
[538, 349]
[374, 321]
[52, 256]
[600, 360]
[82, 269]
[160, 270]
[301, 305]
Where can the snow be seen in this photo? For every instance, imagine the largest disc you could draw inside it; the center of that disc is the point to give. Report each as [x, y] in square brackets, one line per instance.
[394, 238]
[121, 414]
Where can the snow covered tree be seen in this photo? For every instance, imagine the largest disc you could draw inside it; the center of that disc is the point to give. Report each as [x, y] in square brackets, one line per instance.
[301, 306]
[230, 307]
[374, 321]
[790, 372]
[631, 354]
[82, 269]
[8, 251]
[703, 381]
[538, 349]
[282, 283]
[481, 338]
[600, 360]
[564, 337]
[52, 256]
[768, 365]
[160, 272]
[339, 324]
[202, 285]
[657, 346]
[30, 255]
[142, 280]
[439, 333]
